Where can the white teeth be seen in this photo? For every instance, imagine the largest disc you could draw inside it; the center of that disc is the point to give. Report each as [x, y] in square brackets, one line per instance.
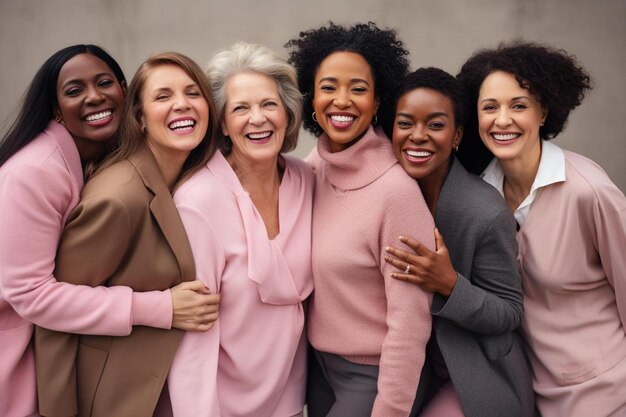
[342, 118]
[261, 135]
[508, 136]
[98, 116]
[182, 123]
[419, 154]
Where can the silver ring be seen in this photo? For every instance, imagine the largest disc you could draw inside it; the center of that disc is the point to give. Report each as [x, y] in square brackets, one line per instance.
[407, 269]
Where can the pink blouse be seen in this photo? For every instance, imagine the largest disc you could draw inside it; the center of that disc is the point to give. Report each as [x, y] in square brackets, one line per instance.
[253, 362]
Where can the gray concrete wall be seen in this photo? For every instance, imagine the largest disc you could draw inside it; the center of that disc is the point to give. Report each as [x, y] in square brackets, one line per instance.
[438, 33]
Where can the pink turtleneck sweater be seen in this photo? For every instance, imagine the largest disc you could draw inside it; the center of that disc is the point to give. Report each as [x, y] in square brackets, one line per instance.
[363, 201]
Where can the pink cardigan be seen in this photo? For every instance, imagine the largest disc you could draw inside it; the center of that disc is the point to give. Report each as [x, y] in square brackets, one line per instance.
[39, 186]
[363, 201]
[572, 260]
[253, 362]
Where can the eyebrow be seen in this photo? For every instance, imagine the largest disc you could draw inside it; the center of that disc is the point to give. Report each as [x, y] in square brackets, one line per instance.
[431, 115]
[352, 81]
[513, 99]
[80, 80]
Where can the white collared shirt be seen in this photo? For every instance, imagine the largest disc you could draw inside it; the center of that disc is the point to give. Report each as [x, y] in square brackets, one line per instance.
[551, 170]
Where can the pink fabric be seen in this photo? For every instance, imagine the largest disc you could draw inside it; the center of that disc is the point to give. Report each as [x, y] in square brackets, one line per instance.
[39, 186]
[253, 362]
[444, 404]
[363, 201]
[571, 257]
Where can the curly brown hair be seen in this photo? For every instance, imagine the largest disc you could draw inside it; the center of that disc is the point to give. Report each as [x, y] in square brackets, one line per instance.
[551, 75]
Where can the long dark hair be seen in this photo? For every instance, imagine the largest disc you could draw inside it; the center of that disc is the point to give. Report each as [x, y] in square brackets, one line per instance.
[40, 99]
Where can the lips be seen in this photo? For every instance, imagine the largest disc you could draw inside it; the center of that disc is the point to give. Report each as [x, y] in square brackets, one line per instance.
[505, 137]
[100, 118]
[418, 156]
[260, 137]
[182, 125]
[341, 120]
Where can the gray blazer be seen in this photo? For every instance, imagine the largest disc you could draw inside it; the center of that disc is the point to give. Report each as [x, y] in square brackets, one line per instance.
[476, 327]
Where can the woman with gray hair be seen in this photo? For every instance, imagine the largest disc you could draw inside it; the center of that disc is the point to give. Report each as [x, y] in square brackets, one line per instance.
[248, 217]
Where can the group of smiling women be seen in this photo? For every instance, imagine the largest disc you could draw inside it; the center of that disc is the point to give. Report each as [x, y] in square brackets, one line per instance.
[377, 277]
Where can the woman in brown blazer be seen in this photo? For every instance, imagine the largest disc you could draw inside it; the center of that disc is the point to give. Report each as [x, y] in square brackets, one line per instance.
[127, 231]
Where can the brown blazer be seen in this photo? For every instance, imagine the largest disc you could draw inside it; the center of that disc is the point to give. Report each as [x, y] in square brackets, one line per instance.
[125, 231]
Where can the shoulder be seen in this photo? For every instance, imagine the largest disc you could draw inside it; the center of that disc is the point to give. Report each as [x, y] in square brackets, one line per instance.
[117, 179]
[588, 180]
[300, 168]
[467, 193]
[41, 151]
[202, 189]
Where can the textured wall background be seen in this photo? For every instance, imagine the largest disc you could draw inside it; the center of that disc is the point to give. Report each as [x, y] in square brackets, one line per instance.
[439, 33]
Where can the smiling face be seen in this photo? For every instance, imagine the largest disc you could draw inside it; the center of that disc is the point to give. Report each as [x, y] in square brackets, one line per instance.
[175, 114]
[255, 118]
[90, 100]
[509, 118]
[424, 133]
[344, 99]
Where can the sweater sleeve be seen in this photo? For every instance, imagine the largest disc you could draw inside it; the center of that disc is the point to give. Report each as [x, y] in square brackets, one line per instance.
[492, 302]
[34, 200]
[408, 307]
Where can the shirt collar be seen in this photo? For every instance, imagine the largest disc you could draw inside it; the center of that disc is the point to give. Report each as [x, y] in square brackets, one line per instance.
[551, 169]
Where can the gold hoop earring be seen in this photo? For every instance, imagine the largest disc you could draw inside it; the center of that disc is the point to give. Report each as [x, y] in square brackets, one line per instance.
[313, 117]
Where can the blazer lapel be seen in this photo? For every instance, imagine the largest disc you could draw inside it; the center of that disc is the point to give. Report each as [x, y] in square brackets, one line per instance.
[164, 211]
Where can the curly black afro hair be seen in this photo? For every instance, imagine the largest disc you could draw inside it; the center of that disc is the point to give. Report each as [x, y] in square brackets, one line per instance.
[381, 48]
[552, 76]
[438, 80]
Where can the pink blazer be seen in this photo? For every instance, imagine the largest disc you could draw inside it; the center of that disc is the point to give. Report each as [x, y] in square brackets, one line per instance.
[39, 186]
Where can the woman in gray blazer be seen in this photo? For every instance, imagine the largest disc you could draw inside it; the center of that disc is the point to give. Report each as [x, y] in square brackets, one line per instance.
[476, 355]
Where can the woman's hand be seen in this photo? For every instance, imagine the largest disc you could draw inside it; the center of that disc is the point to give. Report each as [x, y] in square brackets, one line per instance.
[432, 271]
[195, 308]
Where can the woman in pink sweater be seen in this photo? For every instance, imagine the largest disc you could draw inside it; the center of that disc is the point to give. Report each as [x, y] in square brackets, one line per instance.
[572, 225]
[71, 112]
[368, 331]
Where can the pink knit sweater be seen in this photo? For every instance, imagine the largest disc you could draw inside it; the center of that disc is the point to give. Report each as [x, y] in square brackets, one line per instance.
[363, 201]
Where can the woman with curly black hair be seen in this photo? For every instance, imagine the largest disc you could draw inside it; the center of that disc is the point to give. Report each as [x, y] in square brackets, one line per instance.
[368, 330]
[571, 220]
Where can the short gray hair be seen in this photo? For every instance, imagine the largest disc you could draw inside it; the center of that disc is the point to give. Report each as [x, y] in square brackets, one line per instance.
[244, 57]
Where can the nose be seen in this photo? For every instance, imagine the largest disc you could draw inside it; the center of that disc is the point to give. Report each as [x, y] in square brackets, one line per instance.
[94, 95]
[181, 103]
[418, 134]
[503, 118]
[342, 98]
[257, 116]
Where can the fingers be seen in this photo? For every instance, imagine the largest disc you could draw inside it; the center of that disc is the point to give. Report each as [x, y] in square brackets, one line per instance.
[400, 254]
[196, 285]
[416, 245]
[401, 264]
[413, 279]
[439, 243]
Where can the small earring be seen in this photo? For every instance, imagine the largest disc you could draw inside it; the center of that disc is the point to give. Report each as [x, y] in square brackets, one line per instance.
[58, 119]
[375, 121]
[455, 147]
[313, 117]
[542, 123]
